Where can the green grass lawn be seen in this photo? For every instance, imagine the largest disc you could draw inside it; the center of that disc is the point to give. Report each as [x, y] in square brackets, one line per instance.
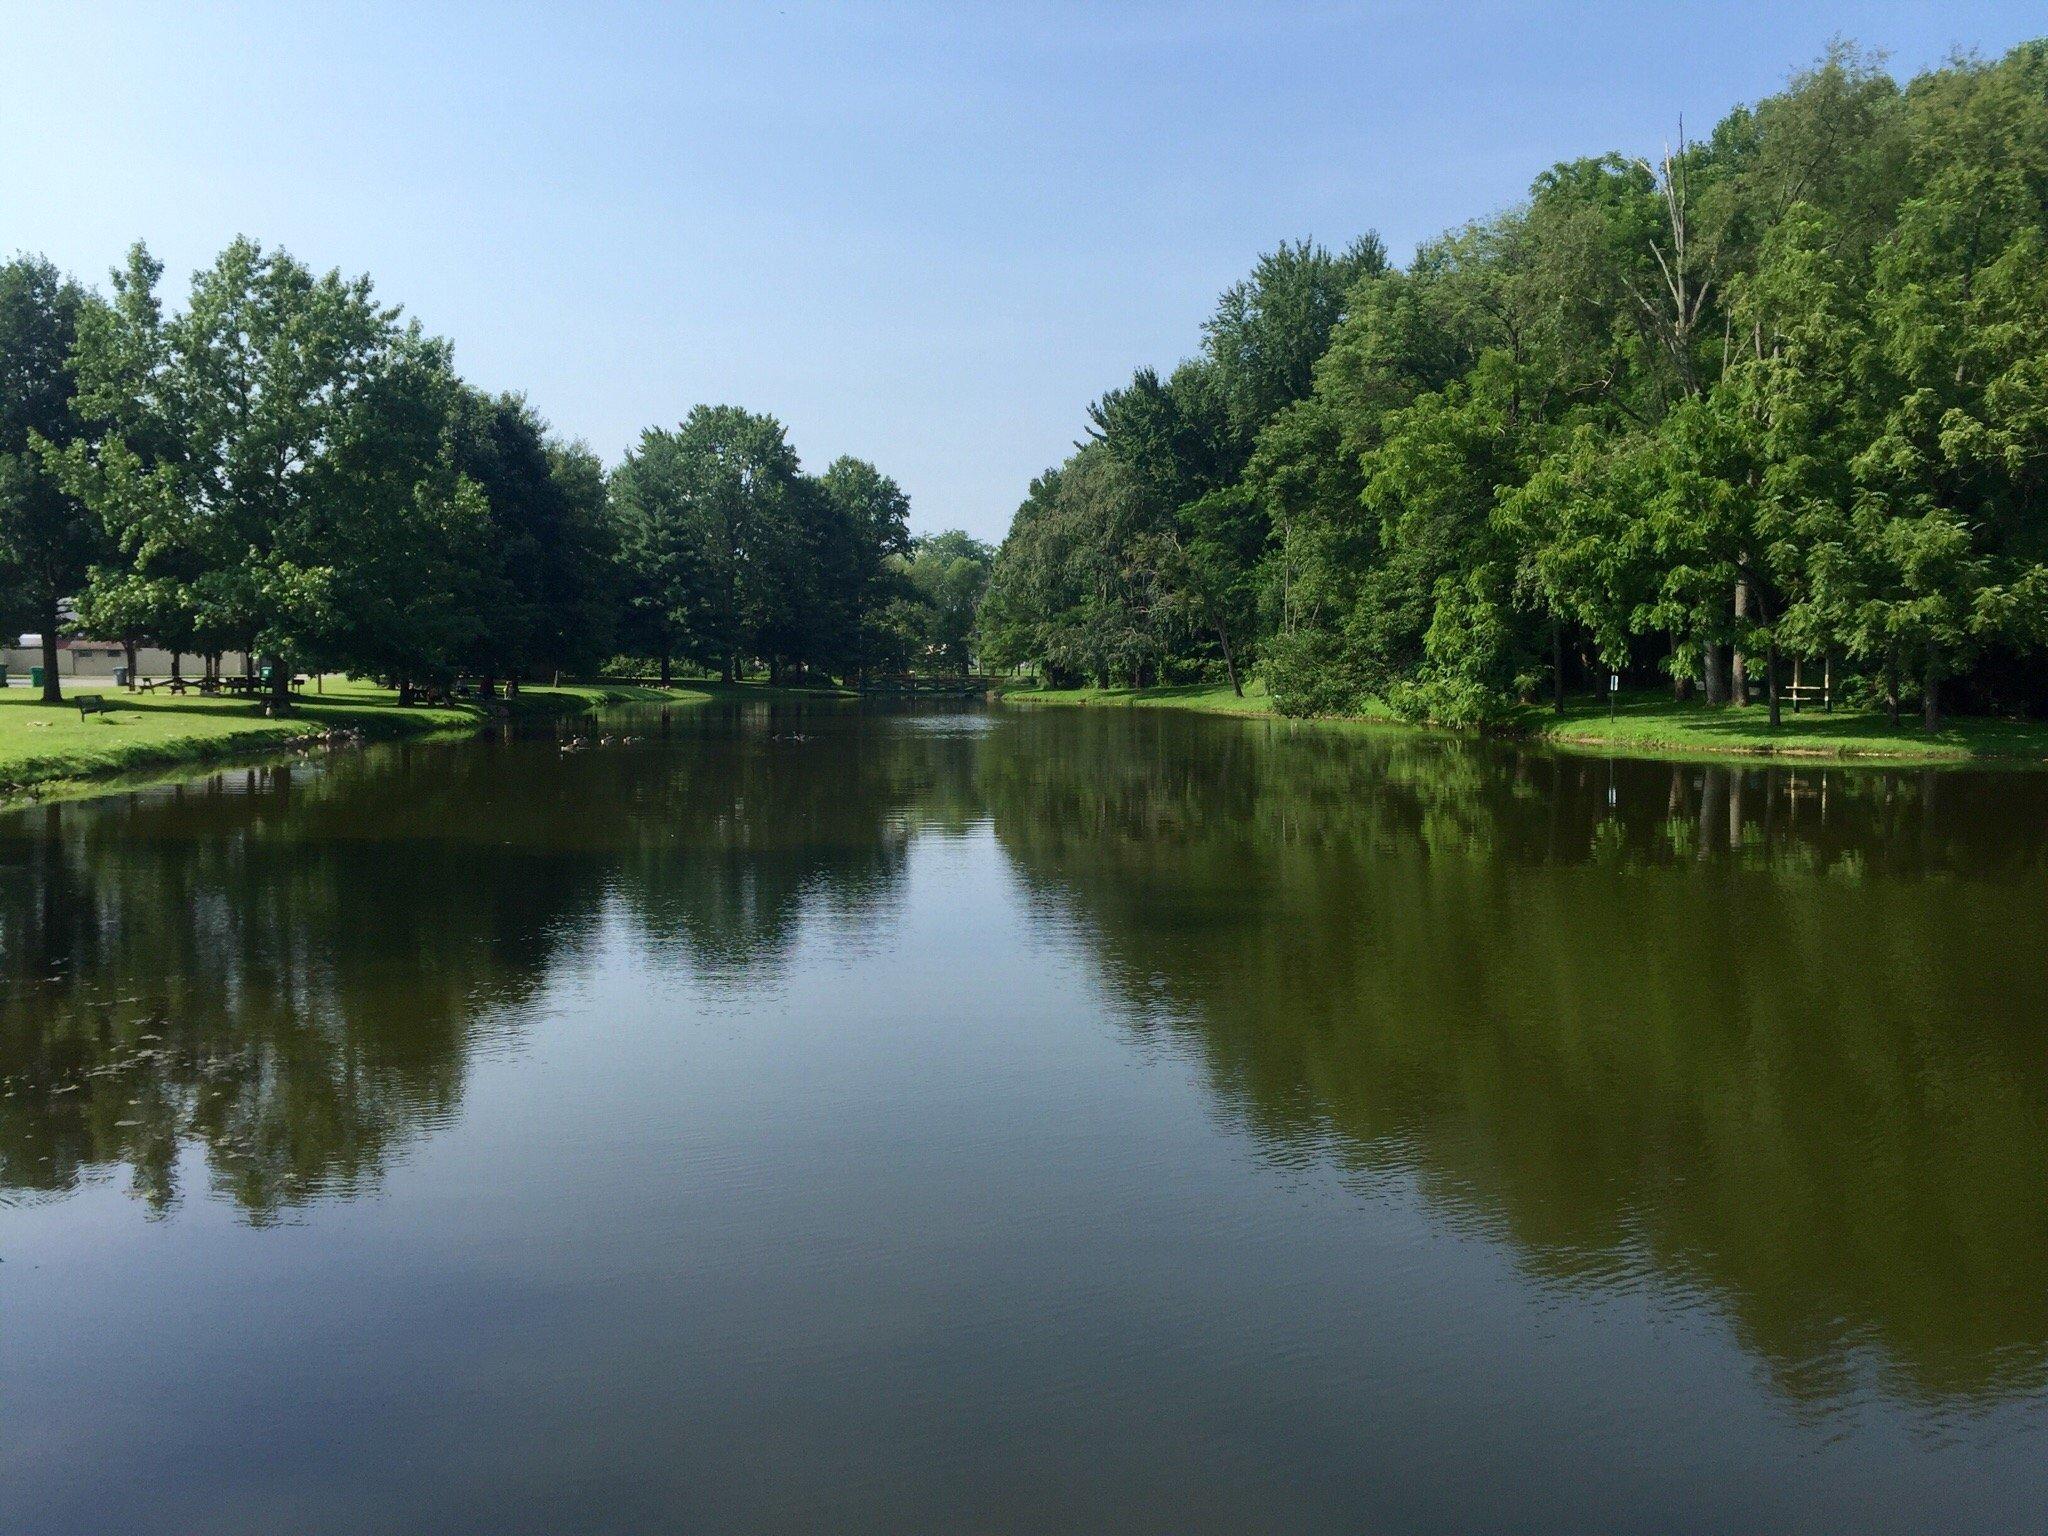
[760, 691]
[1210, 698]
[1651, 724]
[1654, 724]
[44, 747]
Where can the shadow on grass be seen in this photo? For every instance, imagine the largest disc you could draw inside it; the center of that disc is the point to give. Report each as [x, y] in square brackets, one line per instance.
[1641, 721]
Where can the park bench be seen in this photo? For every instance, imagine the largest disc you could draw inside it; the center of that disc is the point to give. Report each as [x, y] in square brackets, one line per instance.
[92, 704]
[1809, 693]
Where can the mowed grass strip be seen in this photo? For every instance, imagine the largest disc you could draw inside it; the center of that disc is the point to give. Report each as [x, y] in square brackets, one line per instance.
[1652, 724]
[46, 744]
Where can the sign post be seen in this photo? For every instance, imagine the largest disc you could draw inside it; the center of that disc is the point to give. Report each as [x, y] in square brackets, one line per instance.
[1613, 691]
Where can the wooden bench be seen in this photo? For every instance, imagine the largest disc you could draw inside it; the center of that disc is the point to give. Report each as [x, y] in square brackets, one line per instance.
[93, 704]
[1809, 693]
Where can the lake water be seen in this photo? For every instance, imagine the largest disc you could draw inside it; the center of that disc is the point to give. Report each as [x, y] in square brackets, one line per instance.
[826, 1119]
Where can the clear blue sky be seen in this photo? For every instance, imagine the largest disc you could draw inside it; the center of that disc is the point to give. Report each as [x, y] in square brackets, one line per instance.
[925, 235]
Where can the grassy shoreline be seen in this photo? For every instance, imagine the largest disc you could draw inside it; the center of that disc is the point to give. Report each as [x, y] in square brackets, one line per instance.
[50, 751]
[1652, 725]
[1207, 698]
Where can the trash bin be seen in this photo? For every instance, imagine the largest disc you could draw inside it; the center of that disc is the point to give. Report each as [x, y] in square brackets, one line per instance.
[35, 677]
[120, 677]
[264, 673]
[3, 674]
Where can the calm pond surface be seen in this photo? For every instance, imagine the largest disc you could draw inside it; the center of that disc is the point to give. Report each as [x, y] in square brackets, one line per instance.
[848, 1120]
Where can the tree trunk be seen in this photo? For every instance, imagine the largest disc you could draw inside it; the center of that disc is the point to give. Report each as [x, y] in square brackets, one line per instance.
[128, 656]
[1717, 685]
[280, 686]
[1771, 681]
[512, 685]
[731, 666]
[405, 693]
[1930, 693]
[667, 673]
[1229, 664]
[487, 687]
[1891, 691]
[177, 666]
[52, 692]
[1738, 664]
[1557, 666]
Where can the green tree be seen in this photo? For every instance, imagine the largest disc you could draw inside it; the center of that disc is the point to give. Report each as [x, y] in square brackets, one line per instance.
[48, 537]
[948, 573]
[863, 539]
[533, 564]
[276, 450]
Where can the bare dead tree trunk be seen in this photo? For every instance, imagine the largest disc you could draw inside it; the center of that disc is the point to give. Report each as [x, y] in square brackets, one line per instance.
[1674, 309]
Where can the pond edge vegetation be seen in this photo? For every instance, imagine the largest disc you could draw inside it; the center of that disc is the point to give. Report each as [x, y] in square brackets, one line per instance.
[93, 759]
[1646, 725]
[1760, 418]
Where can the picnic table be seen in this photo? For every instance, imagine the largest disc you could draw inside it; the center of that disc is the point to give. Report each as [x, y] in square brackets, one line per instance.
[216, 684]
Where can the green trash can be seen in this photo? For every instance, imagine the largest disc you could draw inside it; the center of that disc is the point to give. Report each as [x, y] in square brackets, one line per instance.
[35, 677]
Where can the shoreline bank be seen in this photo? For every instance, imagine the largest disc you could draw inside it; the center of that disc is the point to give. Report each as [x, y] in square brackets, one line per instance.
[53, 751]
[1645, 725]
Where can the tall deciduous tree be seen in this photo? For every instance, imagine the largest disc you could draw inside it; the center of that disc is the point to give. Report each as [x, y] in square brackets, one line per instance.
[48, 537]
[276, 449]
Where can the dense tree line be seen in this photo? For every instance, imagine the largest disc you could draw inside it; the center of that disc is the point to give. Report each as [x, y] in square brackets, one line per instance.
[1777, 400]
[287, 469]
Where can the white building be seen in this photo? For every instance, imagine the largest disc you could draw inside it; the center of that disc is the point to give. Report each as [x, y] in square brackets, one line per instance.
[79, 657]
